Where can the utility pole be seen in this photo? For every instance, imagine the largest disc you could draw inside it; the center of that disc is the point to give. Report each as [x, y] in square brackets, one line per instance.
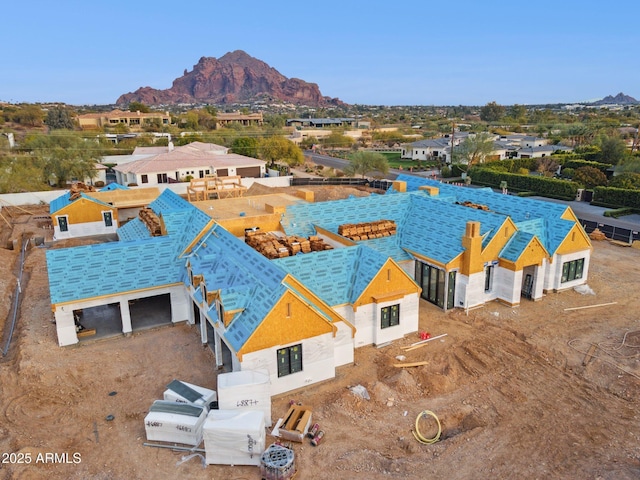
[453, 138]
[634, 145]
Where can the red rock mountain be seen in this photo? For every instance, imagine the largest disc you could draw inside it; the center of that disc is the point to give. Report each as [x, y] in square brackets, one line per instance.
[234, 77]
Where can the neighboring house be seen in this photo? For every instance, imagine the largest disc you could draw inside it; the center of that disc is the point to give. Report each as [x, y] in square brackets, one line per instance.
[504, 147]
[321, 122]
[249, 119]
[100, 175]
[502, 151]
[298, 136]
[433, 149]
[135, 121]
[428, 150]
[195, 160]
[541, 151]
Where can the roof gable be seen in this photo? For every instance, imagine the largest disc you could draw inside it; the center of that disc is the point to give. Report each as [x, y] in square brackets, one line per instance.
[524, 249]
[290, 320]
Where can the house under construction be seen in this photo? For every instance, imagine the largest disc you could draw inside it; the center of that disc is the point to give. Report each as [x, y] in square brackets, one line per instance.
[297, 288]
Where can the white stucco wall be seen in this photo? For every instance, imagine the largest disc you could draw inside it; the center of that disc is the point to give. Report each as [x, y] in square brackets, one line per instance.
[318, 364]
[363, 319]
[85, 229]
[475, 290]
[508, 285]
[553, 275]
[343, 345]
[409, 316]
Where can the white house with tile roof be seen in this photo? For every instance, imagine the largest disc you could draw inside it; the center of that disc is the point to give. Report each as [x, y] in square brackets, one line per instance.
[195, 160]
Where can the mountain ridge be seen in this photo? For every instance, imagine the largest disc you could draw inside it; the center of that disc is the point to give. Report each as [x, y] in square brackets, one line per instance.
[619, 99]
[235, 77]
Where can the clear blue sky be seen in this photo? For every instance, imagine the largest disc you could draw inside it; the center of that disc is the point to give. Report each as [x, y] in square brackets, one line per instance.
[407, 52]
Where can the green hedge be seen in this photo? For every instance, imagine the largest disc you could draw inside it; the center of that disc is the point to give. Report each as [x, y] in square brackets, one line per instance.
[544, 186]
[585, 163]
[512, 165]
[619, 212]
[616, 197]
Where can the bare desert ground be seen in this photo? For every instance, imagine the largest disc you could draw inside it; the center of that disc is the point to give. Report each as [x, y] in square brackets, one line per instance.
[513, 388]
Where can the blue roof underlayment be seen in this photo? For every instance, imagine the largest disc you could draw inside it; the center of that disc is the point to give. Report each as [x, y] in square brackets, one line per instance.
[114, 186]
[516, 246]
[133, 230]
[138, 262]
[246, 280]
[542, 219]
[300, 219]
[435, 229]
[59, 203]
[63, 200]
[337, 276]
[425, 225]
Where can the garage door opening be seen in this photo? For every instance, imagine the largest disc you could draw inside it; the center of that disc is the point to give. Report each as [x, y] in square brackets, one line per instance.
[150, 312]
[102, 321]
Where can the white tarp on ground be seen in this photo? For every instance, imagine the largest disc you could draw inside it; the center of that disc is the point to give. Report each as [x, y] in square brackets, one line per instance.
[175, 422]
[246, 390]
[234, 437]
[206, 396]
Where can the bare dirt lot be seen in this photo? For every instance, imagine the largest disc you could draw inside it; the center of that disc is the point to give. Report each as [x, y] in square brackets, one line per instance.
[512, 388]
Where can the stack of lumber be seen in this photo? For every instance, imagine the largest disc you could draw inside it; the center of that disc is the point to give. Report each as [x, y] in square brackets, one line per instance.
[597, 235]
[274, 246]
[78, 188]
[318, 244]
[477, 206]
[268, 245]
[151, 220]
[297, 244]
[368, 230]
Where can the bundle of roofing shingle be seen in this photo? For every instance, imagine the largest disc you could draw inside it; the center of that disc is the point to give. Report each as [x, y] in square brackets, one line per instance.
[175, 422]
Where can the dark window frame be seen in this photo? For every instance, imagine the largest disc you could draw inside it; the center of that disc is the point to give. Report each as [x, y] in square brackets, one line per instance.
[488, 278]
[390, 316]
[572, 270]
[289, 360]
